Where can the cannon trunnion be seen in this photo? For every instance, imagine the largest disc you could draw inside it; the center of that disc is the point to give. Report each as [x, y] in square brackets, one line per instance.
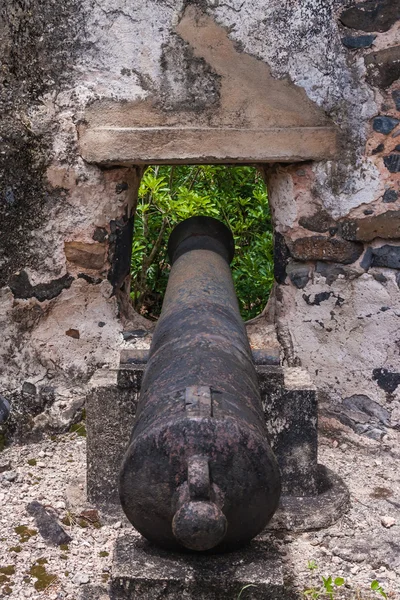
[199, 472]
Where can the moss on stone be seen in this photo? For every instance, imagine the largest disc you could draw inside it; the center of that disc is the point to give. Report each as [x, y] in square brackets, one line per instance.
[15, 549]
[103, 553]
[64, 547]
[24, 533]
[83, 523]
[9, 570]
[43, 578]
[79, 429]
[7, 589]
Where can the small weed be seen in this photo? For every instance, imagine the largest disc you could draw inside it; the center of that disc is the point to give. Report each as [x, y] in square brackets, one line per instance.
[103, 553]
[249, 585]
[32, 462]
[86, 519]
[67, 520]
[105, 577]
[375, 585]
[64, 547]
[329, 586]
[15, 549]
[327, 589]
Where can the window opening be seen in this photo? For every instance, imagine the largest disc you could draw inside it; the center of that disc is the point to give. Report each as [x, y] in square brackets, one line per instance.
[234, 194]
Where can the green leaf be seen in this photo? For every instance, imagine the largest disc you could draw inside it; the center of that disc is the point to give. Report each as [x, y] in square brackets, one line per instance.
[339, 581]
[375, 585]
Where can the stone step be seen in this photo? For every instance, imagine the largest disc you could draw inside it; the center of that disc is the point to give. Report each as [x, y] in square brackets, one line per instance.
[142, 571]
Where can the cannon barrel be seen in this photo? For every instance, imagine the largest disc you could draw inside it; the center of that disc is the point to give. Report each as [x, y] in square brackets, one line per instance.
[199, 472]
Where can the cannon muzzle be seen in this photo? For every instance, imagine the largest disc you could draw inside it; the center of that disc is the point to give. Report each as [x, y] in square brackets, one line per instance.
[199, 472]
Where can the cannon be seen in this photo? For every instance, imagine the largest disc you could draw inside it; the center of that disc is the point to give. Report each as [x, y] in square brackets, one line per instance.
[199, 473]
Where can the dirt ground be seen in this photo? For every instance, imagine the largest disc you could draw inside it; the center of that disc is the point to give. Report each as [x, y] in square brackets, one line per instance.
[363, 546]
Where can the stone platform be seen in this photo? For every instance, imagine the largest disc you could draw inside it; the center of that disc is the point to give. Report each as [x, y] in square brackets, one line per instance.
[312, 496]
[142, 571]
[290, 408]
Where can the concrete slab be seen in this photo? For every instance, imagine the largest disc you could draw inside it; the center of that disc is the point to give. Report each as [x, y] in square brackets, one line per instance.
[142, 571]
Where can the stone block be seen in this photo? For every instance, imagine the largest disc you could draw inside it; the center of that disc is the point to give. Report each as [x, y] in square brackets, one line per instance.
[290, 408]
[142, 571]
[87, 256]
[318, 247]
[383, 67]
[299, 274]
[386, 226]
[386, 256]
[392, 161]
[319, 222]
[384, 124]
[357, 42]
[372, 15]
[295, 433]
[396, 98]
[390, 196]
[110, 411]
[119, 145]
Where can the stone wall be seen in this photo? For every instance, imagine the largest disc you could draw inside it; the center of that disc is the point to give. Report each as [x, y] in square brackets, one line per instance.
[65, 223]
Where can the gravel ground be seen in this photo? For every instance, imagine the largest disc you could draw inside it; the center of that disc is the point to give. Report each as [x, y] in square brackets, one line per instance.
[364, 545]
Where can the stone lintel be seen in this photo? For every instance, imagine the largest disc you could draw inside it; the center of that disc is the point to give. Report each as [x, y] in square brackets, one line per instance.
[146, 145]
[140, 570]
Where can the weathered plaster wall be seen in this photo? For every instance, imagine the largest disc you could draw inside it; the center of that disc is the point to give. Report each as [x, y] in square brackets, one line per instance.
[65, 224]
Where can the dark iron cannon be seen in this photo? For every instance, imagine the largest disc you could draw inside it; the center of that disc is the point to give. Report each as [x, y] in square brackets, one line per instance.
[199, 472]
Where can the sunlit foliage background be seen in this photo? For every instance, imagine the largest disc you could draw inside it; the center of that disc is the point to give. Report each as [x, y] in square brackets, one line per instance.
[235, 195]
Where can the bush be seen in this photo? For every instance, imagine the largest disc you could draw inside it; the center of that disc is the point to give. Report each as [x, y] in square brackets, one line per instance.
[235, 195]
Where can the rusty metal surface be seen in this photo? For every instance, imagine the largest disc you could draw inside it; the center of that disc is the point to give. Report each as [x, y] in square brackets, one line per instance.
[199, 472]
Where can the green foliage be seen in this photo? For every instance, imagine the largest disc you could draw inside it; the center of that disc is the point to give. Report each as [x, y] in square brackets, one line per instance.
[234, 195]
[375, 585]
[327, 589]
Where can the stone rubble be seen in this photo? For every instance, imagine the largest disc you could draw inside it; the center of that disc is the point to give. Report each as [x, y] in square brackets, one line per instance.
[362, 546]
